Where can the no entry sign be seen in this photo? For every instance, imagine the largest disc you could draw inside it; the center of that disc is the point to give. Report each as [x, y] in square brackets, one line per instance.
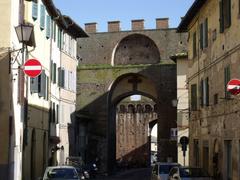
[233, 86]
[32, 68]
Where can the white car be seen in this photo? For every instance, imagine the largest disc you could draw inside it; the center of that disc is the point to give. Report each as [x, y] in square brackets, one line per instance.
[61, 173]
[188, 173]
[161, 170]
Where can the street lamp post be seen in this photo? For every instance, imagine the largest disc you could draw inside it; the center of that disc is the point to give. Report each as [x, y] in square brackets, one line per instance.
[24, 32]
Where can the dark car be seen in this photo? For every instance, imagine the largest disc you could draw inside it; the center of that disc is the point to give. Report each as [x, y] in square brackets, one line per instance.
[161, 169]
[61, 173]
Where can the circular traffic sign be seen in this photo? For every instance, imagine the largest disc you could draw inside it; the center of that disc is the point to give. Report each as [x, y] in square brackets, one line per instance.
[32, 68]
[233, 86]
[184, 140]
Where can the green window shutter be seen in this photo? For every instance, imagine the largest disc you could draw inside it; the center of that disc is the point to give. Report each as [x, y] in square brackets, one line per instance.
[228, 13]
[194, 45]
[201, 36]
[193, 97]
[59, 77]
[34, 10]
[226, 80]
[54, 72]
[48, 30]
[221, 17]
[47, 88]
[42, 90]
[34, 85]
[205, 33]
[51, 73]
[207, 92]
[42, 17]
[39, 82]
[201, 93]
[63, 78]
[62, 40]
[54, 31]
[57, 114]
[53, 113]
[50, 112]
[59, 39]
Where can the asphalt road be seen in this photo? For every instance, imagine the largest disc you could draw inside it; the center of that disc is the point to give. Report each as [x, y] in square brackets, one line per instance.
[133, 174]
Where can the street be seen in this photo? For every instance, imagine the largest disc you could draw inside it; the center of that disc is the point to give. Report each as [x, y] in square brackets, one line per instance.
[132, 174]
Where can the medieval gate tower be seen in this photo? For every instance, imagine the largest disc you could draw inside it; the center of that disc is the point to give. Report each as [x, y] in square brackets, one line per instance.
[114, 65]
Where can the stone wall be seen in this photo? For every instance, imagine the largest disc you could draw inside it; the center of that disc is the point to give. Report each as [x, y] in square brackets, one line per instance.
[99, 71]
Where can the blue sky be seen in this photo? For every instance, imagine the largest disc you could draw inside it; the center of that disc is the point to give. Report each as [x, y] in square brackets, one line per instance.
[102, 11]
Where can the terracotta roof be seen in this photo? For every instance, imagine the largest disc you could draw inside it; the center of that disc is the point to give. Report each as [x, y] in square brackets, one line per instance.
[191, 13]
[64, 22]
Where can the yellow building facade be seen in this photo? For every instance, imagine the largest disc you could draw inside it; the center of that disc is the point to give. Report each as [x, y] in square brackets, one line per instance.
[214, 52]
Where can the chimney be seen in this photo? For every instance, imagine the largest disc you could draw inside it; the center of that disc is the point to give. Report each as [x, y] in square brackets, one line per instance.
[162, 23]
[114, 26]
[91, 27]
[138, 24]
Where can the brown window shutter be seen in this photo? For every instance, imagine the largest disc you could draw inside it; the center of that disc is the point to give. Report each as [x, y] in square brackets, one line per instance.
[20, 86]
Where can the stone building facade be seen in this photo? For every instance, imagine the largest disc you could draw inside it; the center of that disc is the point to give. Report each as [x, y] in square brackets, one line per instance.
[213, 45]
[134, 122]
[114, 65]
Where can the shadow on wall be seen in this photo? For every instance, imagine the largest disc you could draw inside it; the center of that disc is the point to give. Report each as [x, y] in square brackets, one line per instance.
[138, 158]
[91, 135]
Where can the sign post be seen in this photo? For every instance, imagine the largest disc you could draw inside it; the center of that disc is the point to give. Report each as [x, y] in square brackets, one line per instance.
[32, 68]
[184, 142]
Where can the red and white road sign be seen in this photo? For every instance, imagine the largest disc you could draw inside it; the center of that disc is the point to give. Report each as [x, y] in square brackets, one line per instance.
[32, 68]
[233, 86]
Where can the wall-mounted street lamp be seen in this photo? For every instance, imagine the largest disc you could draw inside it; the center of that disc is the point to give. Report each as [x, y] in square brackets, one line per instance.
[24, 32]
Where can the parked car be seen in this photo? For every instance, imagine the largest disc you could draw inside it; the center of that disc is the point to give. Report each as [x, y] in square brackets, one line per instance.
[188, 173]
[61, 173]
[161, 170]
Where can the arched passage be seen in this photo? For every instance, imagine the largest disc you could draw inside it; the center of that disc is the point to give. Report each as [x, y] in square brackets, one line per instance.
[125, 86]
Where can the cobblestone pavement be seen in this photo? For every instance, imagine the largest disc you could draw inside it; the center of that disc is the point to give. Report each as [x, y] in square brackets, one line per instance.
[133, 174]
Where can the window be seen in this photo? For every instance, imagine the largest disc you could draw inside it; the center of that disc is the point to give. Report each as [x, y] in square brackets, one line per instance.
[226, 80]
[53, 113]
[42, 17]
[59, 39]
[53, 72]
[193, 97]
[215, 98]
[57, 114]
[40, 85]
[61, 77]
[48, 30]
[225, 14]
[34, 9]
[54, 27]
[194, 45]
[205, 92]
[196, 152]
[228, 159]
[204, 34]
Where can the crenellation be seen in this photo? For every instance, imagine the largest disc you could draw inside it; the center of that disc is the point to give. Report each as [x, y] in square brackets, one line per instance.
[136, 25]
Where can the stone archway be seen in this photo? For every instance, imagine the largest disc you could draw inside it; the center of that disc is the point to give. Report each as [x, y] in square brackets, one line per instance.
[125, 64]
[127, 85]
